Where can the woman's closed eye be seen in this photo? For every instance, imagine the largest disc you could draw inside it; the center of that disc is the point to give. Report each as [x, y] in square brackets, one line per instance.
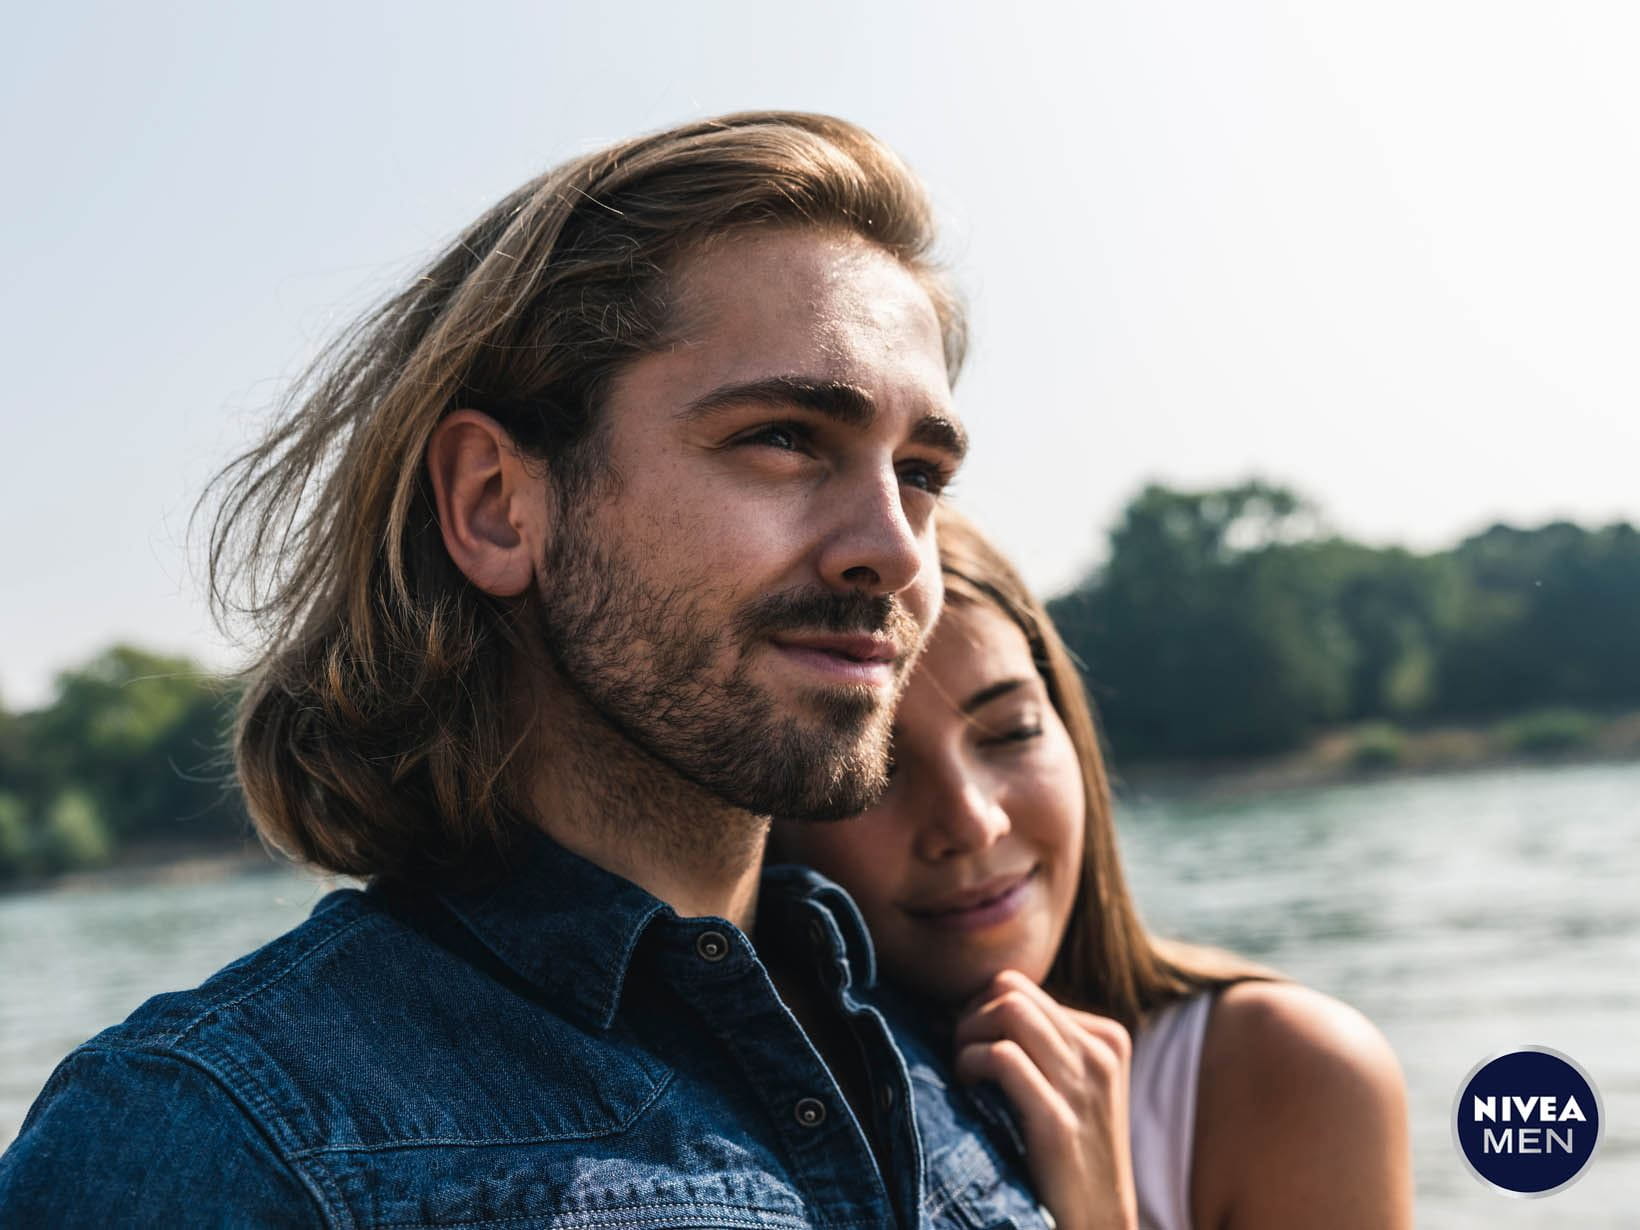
[1010, 724]
[1018, 734]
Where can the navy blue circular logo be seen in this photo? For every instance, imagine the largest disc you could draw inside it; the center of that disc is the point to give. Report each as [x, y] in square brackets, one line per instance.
[1527, 1121]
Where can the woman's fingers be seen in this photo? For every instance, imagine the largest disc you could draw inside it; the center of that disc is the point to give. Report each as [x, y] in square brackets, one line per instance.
[1049, 1122]
[1066, 1074]
[1110, 1032]
[1019, 1017]
[1075, 1122]
[1082, 1054]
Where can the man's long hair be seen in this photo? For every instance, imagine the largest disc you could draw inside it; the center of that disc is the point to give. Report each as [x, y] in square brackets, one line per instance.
[379, 733]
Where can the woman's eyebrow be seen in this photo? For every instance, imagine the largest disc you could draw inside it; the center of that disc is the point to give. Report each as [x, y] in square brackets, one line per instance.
[991, 691]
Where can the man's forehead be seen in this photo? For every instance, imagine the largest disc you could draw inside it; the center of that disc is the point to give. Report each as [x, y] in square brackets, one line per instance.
[805, 317]
[827, 293]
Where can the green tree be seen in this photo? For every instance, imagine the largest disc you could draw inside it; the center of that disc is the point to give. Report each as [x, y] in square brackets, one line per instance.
[1212, 629]
[1396, 608]
[1548, 617]
[16, 840]
[141, 734]
[75, 834]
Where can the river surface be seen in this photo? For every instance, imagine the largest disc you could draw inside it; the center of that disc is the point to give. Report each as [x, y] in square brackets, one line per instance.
[1466, 915]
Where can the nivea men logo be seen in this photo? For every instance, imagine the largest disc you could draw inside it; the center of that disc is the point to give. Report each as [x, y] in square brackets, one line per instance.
[1539, 1120]
[1527, 1121]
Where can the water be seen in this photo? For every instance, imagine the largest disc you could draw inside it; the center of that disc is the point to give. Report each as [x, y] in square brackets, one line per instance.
[1465, 915]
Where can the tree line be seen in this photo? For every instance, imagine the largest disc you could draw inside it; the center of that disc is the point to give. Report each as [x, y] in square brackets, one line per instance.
[1229, 623]
[1224, 622]
[132, 746]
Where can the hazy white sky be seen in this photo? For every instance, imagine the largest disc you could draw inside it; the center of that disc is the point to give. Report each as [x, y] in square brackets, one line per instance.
[1386, 252]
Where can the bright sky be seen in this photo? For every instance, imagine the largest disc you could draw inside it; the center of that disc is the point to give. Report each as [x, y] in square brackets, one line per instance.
[1386, 252]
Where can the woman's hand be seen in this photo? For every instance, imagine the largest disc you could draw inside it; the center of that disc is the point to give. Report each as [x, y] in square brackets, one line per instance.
[1066, 1073]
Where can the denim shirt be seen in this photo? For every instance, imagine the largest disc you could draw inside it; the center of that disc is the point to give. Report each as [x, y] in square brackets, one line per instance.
[559, 1051]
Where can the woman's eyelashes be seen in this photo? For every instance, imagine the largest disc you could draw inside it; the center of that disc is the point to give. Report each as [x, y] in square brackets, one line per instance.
[1019, 734]
[1008, 730]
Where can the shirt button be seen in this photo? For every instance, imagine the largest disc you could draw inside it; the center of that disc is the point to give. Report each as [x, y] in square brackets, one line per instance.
[712, 945]
[810, 1112]
[886, 1097]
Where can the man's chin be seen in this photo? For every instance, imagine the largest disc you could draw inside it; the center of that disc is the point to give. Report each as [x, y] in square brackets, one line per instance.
[826, 768]
[836, 815]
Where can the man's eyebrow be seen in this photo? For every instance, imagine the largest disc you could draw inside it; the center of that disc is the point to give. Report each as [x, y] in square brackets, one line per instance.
[991, 691]
[848, 404]
[945, 434]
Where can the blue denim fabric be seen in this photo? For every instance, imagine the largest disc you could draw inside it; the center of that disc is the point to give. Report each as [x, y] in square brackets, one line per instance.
[560, 1051]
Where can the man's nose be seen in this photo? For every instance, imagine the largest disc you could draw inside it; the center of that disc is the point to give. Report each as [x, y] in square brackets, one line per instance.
[873, 546]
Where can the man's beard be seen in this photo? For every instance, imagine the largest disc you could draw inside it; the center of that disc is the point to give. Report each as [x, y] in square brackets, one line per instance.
[642, 657]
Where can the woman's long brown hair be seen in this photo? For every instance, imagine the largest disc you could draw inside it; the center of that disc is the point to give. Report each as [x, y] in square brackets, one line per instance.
[1108, 962]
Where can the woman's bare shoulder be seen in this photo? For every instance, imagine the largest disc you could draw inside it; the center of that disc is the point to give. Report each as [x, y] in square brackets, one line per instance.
[1301, 1115]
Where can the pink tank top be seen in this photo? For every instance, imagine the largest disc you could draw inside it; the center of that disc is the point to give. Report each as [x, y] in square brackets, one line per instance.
[1167, 1056]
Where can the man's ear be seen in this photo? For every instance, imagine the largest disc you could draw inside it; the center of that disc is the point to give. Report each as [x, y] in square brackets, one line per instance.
[492, 503]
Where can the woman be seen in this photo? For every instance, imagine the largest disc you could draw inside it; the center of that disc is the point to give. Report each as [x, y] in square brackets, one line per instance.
[990, 879]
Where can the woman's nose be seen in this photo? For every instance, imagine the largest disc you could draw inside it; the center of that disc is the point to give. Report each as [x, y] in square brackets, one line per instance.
[964, 819]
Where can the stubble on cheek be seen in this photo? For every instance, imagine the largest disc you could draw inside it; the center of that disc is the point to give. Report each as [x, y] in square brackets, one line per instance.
[671, 670]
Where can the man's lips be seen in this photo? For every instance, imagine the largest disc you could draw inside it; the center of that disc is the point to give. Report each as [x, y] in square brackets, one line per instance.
[858, 647]
[841, 657]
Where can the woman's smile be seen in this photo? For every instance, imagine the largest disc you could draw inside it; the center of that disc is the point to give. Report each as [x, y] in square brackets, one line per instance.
[998, 900]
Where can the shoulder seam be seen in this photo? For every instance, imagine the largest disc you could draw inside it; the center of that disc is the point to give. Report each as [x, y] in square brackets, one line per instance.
[176, 1039]
[328, 1201]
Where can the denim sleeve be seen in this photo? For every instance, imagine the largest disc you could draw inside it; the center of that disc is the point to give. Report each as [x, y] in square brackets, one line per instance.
[122, 1138]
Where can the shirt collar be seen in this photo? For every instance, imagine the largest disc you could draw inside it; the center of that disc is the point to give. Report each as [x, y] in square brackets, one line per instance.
[571, 928]
[563, 923]
[795, 897]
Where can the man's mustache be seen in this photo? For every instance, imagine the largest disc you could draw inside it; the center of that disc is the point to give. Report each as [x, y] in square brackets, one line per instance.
[818, 610]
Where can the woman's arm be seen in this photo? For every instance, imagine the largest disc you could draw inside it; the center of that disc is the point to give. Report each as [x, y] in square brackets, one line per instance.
[1301, 1117]
[1066, 1073]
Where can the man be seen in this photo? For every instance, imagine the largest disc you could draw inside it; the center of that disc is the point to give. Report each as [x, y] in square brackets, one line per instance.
[604, 541]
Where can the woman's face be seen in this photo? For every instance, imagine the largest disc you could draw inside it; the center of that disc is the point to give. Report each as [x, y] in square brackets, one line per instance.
[969, 864]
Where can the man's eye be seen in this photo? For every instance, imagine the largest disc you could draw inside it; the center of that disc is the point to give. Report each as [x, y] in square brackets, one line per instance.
[788, 437]
[926, 476]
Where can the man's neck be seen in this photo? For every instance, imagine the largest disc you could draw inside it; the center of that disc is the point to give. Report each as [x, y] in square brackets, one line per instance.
[599, 795]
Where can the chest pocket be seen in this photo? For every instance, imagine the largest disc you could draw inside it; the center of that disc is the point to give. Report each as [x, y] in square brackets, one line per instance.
[967, 1186]
[966, 1189]
[503, 1136]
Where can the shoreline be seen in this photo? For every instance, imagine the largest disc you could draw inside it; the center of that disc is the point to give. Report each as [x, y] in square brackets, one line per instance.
[1373, 752]
[1362, 755]
[156, 862]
